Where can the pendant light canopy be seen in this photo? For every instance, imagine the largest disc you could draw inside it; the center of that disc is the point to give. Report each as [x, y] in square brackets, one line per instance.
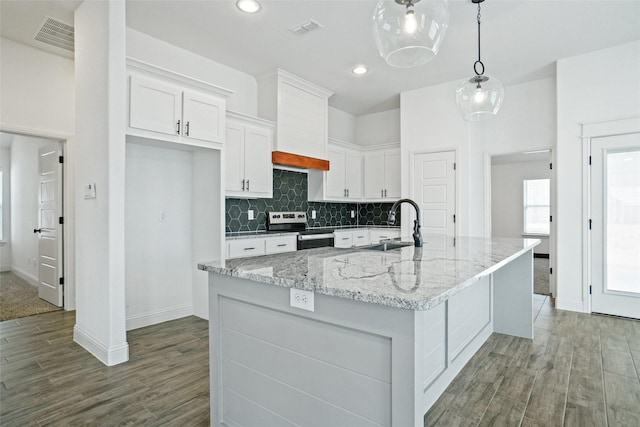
[409, 32]
[481, 96]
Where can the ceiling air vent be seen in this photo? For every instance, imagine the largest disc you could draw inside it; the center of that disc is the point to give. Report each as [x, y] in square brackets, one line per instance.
[305, 28]
[56, 33]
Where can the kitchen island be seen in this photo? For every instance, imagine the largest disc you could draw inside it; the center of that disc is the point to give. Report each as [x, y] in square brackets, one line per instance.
[388, 332]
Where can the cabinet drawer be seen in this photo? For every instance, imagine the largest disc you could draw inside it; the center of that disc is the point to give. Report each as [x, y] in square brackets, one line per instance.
[276, 245]
[361, 238]
[343, 240]
[377, 235]
[246, 247]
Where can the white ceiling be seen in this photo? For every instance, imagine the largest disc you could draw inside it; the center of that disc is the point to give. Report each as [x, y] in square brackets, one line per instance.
[521, 39]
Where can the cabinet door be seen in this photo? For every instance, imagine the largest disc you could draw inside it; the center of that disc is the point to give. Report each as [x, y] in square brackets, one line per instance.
[258, 169]
[392, 174]
[343, 239]
[204, 116]
[335, 175]
[353, 174]
[374, 175]
[154, 105]
[234, 157]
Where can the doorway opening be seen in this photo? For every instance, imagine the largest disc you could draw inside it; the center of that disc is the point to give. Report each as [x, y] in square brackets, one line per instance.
[522, 189]
[31, 248]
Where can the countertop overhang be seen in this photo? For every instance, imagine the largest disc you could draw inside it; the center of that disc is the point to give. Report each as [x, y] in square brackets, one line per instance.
[408, 278]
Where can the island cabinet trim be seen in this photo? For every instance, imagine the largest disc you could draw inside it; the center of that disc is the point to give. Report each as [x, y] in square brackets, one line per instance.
[350, 362]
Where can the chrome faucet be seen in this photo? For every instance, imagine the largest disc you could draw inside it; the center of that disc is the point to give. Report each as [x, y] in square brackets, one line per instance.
[417, 237]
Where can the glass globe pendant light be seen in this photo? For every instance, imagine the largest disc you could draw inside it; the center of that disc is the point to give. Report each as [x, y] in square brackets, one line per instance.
[409, 32]
[481, 96]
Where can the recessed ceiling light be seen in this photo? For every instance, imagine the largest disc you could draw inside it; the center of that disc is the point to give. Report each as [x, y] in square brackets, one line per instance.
[359, 70]
[248, 6]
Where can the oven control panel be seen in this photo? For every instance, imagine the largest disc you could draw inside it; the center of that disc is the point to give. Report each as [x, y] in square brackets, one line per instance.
[287, 217]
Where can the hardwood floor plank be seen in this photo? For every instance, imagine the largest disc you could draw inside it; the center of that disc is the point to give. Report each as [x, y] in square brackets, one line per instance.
[622, 392]
[503, 412]
[619, 362]
[581, 416]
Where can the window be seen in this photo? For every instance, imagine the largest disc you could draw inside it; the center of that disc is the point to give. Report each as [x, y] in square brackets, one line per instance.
[536, 196]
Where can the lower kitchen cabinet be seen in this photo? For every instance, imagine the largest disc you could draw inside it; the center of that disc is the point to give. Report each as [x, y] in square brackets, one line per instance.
[351, 238]
[248, 247]
[376, 235]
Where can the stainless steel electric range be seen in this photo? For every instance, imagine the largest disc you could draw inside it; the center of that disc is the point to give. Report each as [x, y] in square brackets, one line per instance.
[297, 221]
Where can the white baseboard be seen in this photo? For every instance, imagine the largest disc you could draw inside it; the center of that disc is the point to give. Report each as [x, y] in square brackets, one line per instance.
[570, 305]
[25, 275]
[108, 356]
[158, 316]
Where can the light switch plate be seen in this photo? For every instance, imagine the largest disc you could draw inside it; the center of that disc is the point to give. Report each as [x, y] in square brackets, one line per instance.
[250, 214]
[90, 191]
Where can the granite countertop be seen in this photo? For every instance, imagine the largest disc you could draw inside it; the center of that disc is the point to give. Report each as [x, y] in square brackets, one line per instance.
[409, 278]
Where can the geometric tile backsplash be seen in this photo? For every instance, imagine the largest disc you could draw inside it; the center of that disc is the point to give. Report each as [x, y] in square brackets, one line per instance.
[290, 194]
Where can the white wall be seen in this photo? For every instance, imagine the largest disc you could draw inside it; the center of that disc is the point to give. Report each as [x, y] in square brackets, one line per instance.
[378, 128]
[24, 206]
[158, 258]
[597, 86]
[5, 244]
[430, 122]
[151, 50]
[37, 90]
[507, 198]
[100, 131]
[342, 125]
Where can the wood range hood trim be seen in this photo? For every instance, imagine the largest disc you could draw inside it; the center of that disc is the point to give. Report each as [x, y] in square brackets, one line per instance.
[290, 159]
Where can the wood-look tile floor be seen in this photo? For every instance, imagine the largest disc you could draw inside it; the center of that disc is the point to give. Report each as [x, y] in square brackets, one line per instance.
[580, 370]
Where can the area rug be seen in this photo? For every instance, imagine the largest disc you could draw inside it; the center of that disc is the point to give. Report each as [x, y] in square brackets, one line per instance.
[541, 276]
[20, 299]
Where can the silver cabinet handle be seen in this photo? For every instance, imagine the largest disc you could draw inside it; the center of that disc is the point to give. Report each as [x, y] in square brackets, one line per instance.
[178, 127]
[345, 238]
[243, 185]
[347, 192]
[247, 185]
[249, 249]
[385, 192]
[282, 245]
[381, 193]
[344, 192]
[187, 132]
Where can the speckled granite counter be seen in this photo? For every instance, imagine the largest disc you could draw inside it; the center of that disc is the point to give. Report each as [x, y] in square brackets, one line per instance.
[409, 278]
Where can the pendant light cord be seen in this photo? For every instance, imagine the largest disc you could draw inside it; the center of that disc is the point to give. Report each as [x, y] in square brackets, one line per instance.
[478, 62]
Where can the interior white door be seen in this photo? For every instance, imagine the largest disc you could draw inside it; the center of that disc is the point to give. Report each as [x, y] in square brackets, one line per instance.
[434, 185]
[615, 225]
[49, 231]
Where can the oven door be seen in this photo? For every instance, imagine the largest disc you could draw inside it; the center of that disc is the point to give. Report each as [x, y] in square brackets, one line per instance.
[309, 241]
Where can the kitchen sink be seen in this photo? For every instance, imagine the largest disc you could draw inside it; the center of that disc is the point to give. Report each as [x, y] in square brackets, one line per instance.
[386, 246]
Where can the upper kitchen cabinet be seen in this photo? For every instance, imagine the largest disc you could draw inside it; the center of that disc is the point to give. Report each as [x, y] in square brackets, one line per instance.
[249, 171]
[343, 181]
[300, 110]
[171, 107]
[382, 174]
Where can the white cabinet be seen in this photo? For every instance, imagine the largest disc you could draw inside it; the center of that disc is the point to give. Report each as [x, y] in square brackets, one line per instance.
[249, 172]
[351, 238]
[243, 248]
[383, 234]
[300, 110]
[343, 181]
[382, 174]
[162, 109]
